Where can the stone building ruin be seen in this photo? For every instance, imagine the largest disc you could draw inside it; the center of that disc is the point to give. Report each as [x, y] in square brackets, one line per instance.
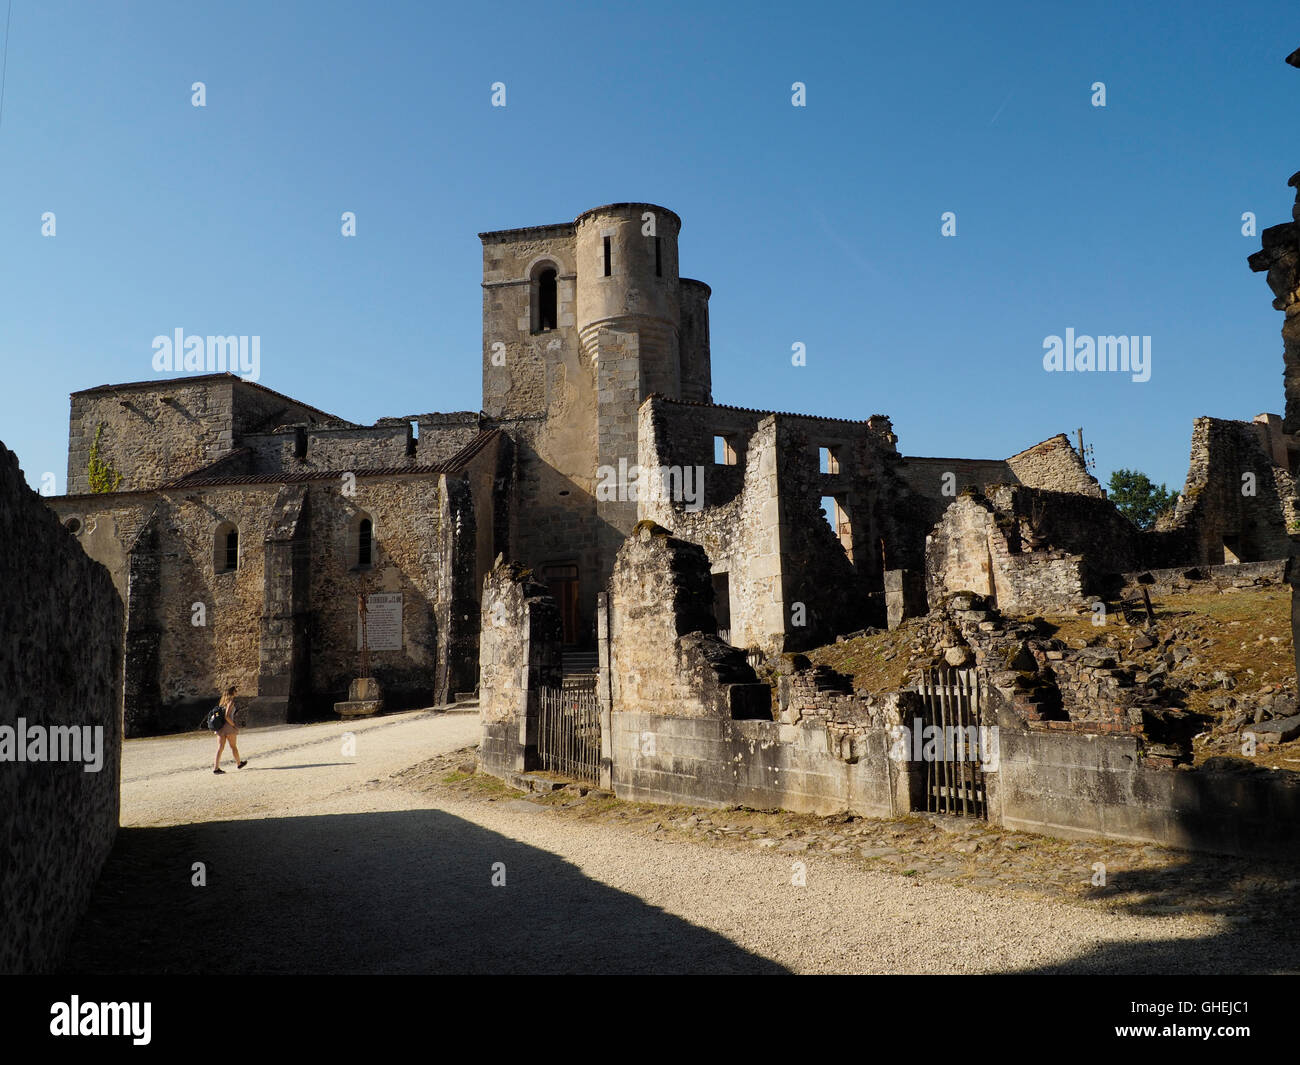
[601, 518]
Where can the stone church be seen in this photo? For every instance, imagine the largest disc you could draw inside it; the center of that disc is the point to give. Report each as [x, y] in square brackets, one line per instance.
[244, 529]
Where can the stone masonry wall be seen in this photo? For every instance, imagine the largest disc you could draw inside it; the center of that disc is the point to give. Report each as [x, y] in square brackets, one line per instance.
[150, 435]
[1054, 466]
[970, 550]
[665, 657]
[519, 652]
[1235, 502]
[61, 660]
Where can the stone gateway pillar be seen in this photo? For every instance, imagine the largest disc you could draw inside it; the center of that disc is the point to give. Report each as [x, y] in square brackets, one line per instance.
[1280, 259]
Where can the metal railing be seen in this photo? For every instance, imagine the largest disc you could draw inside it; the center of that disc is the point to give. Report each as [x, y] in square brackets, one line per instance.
[952, 702]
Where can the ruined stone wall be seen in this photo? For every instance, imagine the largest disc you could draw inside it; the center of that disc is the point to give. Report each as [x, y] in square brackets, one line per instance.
[937, 480]
[1054, 466]
[697, 370]
[61, 660]
[1202, 580]
[762, 523]
[665, 657]
[1071, 522]
[1236, 504]
[151, 435]
[1079, 786]
[328, 448]
[762, 765]
[976, 548]
[519, 652]
[1280, 259]
[442, 435]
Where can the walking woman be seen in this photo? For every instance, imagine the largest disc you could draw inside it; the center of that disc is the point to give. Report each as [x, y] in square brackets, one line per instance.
[228, 731]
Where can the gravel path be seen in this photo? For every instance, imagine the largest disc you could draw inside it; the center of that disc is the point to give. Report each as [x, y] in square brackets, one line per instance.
[318, 861]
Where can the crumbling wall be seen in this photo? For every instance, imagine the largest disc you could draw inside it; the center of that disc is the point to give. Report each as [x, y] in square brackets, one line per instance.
[1236, 504]
[519, 652]
[1055, 466]
[1280, 258]
[793, 581]
[976, 548]
[61, 661]
[665, 656]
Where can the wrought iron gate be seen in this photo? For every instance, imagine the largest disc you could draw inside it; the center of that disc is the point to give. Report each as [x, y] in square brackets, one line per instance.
[953, 703]
[568, 734]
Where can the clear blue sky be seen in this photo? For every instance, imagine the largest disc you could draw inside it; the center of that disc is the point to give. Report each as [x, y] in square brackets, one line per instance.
[818, 225]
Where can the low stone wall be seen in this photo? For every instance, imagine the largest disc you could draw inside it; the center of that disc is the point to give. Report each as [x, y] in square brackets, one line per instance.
[61, 660]
[761, 764]
[1206, 579]
[1077, 786]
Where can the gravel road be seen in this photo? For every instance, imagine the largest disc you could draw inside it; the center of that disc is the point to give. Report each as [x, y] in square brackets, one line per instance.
[316, 861]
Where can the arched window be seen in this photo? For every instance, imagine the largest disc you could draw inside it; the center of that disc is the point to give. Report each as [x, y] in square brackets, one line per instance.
[360, 552]
[365, 537]
[225, 548]
[545, 298]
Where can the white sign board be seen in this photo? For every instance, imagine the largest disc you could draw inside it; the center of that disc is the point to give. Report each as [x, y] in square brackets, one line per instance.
[383, 622]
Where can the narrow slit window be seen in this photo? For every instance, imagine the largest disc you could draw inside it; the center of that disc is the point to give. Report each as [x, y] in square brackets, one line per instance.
[608, 259]
[232, 549]
[659, 257]
[365, 540]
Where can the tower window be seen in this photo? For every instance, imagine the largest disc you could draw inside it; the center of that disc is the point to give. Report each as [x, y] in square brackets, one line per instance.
[724, 451]
[232, 549]
[659, 257]
[545, 298]
[608, 259]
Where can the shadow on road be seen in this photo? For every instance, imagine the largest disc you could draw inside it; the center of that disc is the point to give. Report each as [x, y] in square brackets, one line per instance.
[391, 892]
[1260, 933]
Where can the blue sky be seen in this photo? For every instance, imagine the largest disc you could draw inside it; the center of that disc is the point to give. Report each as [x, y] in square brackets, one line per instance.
[818, 225]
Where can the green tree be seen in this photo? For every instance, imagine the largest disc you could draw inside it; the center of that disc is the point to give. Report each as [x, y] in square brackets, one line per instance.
[1137, 498]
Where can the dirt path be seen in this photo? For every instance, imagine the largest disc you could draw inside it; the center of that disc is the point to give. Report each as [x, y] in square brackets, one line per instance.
[321, 861]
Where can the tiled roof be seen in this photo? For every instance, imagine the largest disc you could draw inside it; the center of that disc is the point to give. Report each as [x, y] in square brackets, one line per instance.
[756, 410]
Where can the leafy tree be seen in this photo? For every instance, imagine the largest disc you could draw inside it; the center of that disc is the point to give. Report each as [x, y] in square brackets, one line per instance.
[1138, 499]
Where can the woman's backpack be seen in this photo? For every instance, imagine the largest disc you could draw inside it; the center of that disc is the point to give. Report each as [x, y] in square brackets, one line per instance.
[216, 718]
